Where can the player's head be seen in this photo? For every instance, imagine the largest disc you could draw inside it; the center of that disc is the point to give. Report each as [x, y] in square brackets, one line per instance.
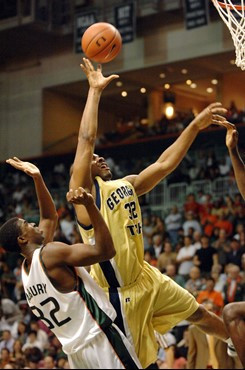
[100, 168]
[17, 234]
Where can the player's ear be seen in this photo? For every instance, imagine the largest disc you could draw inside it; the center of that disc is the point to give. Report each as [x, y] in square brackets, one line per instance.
[22, 240]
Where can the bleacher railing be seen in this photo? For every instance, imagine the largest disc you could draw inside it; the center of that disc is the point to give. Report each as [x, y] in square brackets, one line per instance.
[164, 196]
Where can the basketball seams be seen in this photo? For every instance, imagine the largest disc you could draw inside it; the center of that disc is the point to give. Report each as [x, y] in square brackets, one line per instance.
[111, 42]
[104, 29]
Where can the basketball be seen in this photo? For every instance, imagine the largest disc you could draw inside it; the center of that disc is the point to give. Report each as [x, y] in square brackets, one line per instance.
[101, 42]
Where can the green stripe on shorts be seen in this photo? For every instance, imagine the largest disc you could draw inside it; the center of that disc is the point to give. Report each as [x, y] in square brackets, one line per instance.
[120, 348]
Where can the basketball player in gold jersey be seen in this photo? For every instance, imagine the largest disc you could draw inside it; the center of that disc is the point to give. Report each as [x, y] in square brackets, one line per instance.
[145, 299]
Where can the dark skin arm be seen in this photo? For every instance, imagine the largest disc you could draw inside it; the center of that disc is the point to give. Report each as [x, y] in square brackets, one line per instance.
[57, 256]
[48, 214]
[81, 173]
[237, 162]
[172, 156]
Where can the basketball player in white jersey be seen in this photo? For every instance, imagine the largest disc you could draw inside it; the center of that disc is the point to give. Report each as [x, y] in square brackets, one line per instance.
[234, 313]
[60, 292]
[145, 299]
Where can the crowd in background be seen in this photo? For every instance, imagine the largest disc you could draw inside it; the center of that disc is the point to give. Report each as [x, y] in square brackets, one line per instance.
[135, 128]
[200, 244]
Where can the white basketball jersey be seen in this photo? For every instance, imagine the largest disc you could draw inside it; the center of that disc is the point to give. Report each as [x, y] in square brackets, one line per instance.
[75, 317]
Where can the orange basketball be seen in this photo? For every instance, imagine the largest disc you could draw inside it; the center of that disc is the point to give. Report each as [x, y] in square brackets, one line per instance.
[101, 42]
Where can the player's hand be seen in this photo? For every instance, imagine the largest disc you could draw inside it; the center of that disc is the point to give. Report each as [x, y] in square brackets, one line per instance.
[211, 114]
[231, 135]
[79, 196]
[29, 168]
[95, 77]
[231, 138]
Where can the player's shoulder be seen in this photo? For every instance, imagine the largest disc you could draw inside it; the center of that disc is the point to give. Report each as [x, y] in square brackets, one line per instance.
[53, 251]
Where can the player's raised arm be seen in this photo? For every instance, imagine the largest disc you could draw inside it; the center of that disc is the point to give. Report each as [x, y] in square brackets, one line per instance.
[173, 155]
[83, 254]
[81, 169]
[48, 214]
[237, 162]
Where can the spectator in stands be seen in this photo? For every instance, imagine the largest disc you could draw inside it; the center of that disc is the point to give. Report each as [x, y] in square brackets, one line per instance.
[239, 232]
[224, 223]
[67, 224]
[166, 344]
[5, 357]
[61, 360]
[59, 235]
[222, 245]
[217, 208]
[185, 258]
[173, 222]
[197, 239]
[167, 257]
[25, 311]
[18, 290]
[208, 221]
[234, 290]
[205, 207]
[49, 362]
[193, 172]
[9, 313]
[211, 295]
[232, 113]
[22, 331]
[235, 254]
[159, 227]
[150, 257]
[42, 337]
[195, 284]
[171, 272]
[157, 246]
[212, 169]
[8, 282]
[32, 341]
[181, 349]
[33, 357]
[191, 204]
[17, 351]
[228, 208]
[7, 341]
[239, 215]
[205, 257]
[219, 278]
[191, 222]
[224, 166]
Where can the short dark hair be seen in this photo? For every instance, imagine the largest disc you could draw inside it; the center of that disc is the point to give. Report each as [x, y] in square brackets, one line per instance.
[9, 233]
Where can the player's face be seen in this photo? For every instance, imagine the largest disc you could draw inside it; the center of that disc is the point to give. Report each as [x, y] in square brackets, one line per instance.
[31, 231]
[100, 168]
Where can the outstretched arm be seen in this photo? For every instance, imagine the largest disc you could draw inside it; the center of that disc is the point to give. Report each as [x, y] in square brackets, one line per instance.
[237, 162]
[48, 214]
[81, 171]
[173, 155]
[83, 254]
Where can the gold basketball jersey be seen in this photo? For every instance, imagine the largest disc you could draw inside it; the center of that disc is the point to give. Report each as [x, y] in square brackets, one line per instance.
[119, 206]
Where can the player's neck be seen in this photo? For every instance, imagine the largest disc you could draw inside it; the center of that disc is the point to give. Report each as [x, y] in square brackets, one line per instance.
[28, 252]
